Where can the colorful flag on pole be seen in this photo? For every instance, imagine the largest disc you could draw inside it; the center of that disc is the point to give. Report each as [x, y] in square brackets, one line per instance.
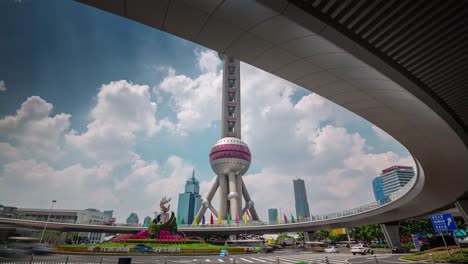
[299, 219]
[211, 219]
[306, 217]
[228, 219]
[195, 221]
[245, 218]
[237, 219]
[203, 220]
[277, 219]
[285, 219]
[220, 221]
[248, 214]
[179, 220]
[292, 219]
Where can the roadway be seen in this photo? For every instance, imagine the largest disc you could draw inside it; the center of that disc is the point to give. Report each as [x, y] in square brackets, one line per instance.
[259, 258]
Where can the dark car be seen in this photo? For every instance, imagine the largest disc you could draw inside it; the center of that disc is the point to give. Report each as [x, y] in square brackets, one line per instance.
[41, 249]
[269, 249]
[143, 248]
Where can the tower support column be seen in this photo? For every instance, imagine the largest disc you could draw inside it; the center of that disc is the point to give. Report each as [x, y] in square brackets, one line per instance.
[233, 195]
[462, 206]
[391, 231]
[223, 189]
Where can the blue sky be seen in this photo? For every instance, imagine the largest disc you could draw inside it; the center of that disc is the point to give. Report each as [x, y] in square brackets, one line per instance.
[100, 111]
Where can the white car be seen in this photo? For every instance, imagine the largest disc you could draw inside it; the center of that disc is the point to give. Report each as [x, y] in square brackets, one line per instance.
[361, 249]
[331, 249]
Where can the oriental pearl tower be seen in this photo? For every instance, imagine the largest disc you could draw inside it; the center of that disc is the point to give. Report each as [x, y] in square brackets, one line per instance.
[230, 156]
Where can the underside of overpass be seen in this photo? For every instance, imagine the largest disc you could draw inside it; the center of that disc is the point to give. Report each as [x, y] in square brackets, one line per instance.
[399, 64]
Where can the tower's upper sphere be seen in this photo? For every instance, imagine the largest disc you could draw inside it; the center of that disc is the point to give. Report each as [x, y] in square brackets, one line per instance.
[230, 154]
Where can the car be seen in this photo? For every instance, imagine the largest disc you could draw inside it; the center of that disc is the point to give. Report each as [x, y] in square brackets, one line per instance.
[143, 248]
[361, 249]
[269, 249]
[331, 249]
[41, 249]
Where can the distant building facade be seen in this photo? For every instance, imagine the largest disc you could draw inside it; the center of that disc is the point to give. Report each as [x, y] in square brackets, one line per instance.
[147, 221]
[190, 200]
[132, 219]
[377, 186]
[87, 216]
[391, 180]
[300, 197]
[272, 215]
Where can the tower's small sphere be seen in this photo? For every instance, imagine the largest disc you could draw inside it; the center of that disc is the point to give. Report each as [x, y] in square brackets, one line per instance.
[230, 154]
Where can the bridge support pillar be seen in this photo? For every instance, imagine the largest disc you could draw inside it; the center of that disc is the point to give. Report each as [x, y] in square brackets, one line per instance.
[308, 236]
[392, 233]
[62, 238]
[462, 206]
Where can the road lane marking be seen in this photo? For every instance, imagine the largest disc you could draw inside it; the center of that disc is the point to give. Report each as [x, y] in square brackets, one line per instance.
[246, 260]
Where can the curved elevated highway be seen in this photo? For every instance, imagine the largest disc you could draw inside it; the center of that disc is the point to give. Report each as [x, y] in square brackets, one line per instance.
[402, 65]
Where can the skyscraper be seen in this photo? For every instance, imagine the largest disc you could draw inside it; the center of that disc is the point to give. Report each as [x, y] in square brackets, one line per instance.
[190, 200]
[230, 157]
[132, 219]
[395, 177]
[146, 221]
[300, 196]
[272, 214]
[377, 186]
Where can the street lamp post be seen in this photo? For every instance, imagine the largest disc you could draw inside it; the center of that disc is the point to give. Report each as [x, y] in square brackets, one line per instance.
[48, 217]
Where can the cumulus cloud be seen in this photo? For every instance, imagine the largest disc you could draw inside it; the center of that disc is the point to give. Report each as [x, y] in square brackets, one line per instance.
[33, 131]
[2, 86]
[123, 111]
[197, 101]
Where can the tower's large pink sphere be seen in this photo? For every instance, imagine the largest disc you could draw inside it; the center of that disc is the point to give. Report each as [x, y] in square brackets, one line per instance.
[230, 154]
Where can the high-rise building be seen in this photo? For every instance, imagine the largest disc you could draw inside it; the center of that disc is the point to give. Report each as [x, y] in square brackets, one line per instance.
[147, 221]
[132, 219]
[272, 215]
[377, 186]
[190, 200]
[230, 157]
[395, 177]
[300, 196]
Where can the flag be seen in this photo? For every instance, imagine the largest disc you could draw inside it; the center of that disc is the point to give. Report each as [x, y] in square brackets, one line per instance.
[248, 214]
[195, 221]
[211, 219]
[306, 217]
[292, 219]
[228, 219]
[179, 220]
[245, 218]
[220, 221]
[203, 220]
[285, 219]
[237, 219]
[299, 219]
[277, 219]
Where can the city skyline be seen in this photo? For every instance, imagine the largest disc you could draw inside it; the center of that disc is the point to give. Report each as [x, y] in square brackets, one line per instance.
[138, 114]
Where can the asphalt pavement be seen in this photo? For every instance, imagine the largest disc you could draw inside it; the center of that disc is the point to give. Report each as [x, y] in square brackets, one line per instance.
[260, 258]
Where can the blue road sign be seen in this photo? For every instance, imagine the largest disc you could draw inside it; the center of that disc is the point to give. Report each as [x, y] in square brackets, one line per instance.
[443, 222]
[416, 242]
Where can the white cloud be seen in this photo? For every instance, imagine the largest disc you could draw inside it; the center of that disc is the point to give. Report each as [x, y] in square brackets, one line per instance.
[123, 112]
[2, 86]
[196, 101]
[33, 131]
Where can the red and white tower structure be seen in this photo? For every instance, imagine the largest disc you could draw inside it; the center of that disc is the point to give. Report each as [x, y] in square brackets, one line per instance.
[230, 157]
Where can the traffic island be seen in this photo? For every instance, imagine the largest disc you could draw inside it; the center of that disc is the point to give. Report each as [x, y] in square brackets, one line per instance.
[440, 255]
